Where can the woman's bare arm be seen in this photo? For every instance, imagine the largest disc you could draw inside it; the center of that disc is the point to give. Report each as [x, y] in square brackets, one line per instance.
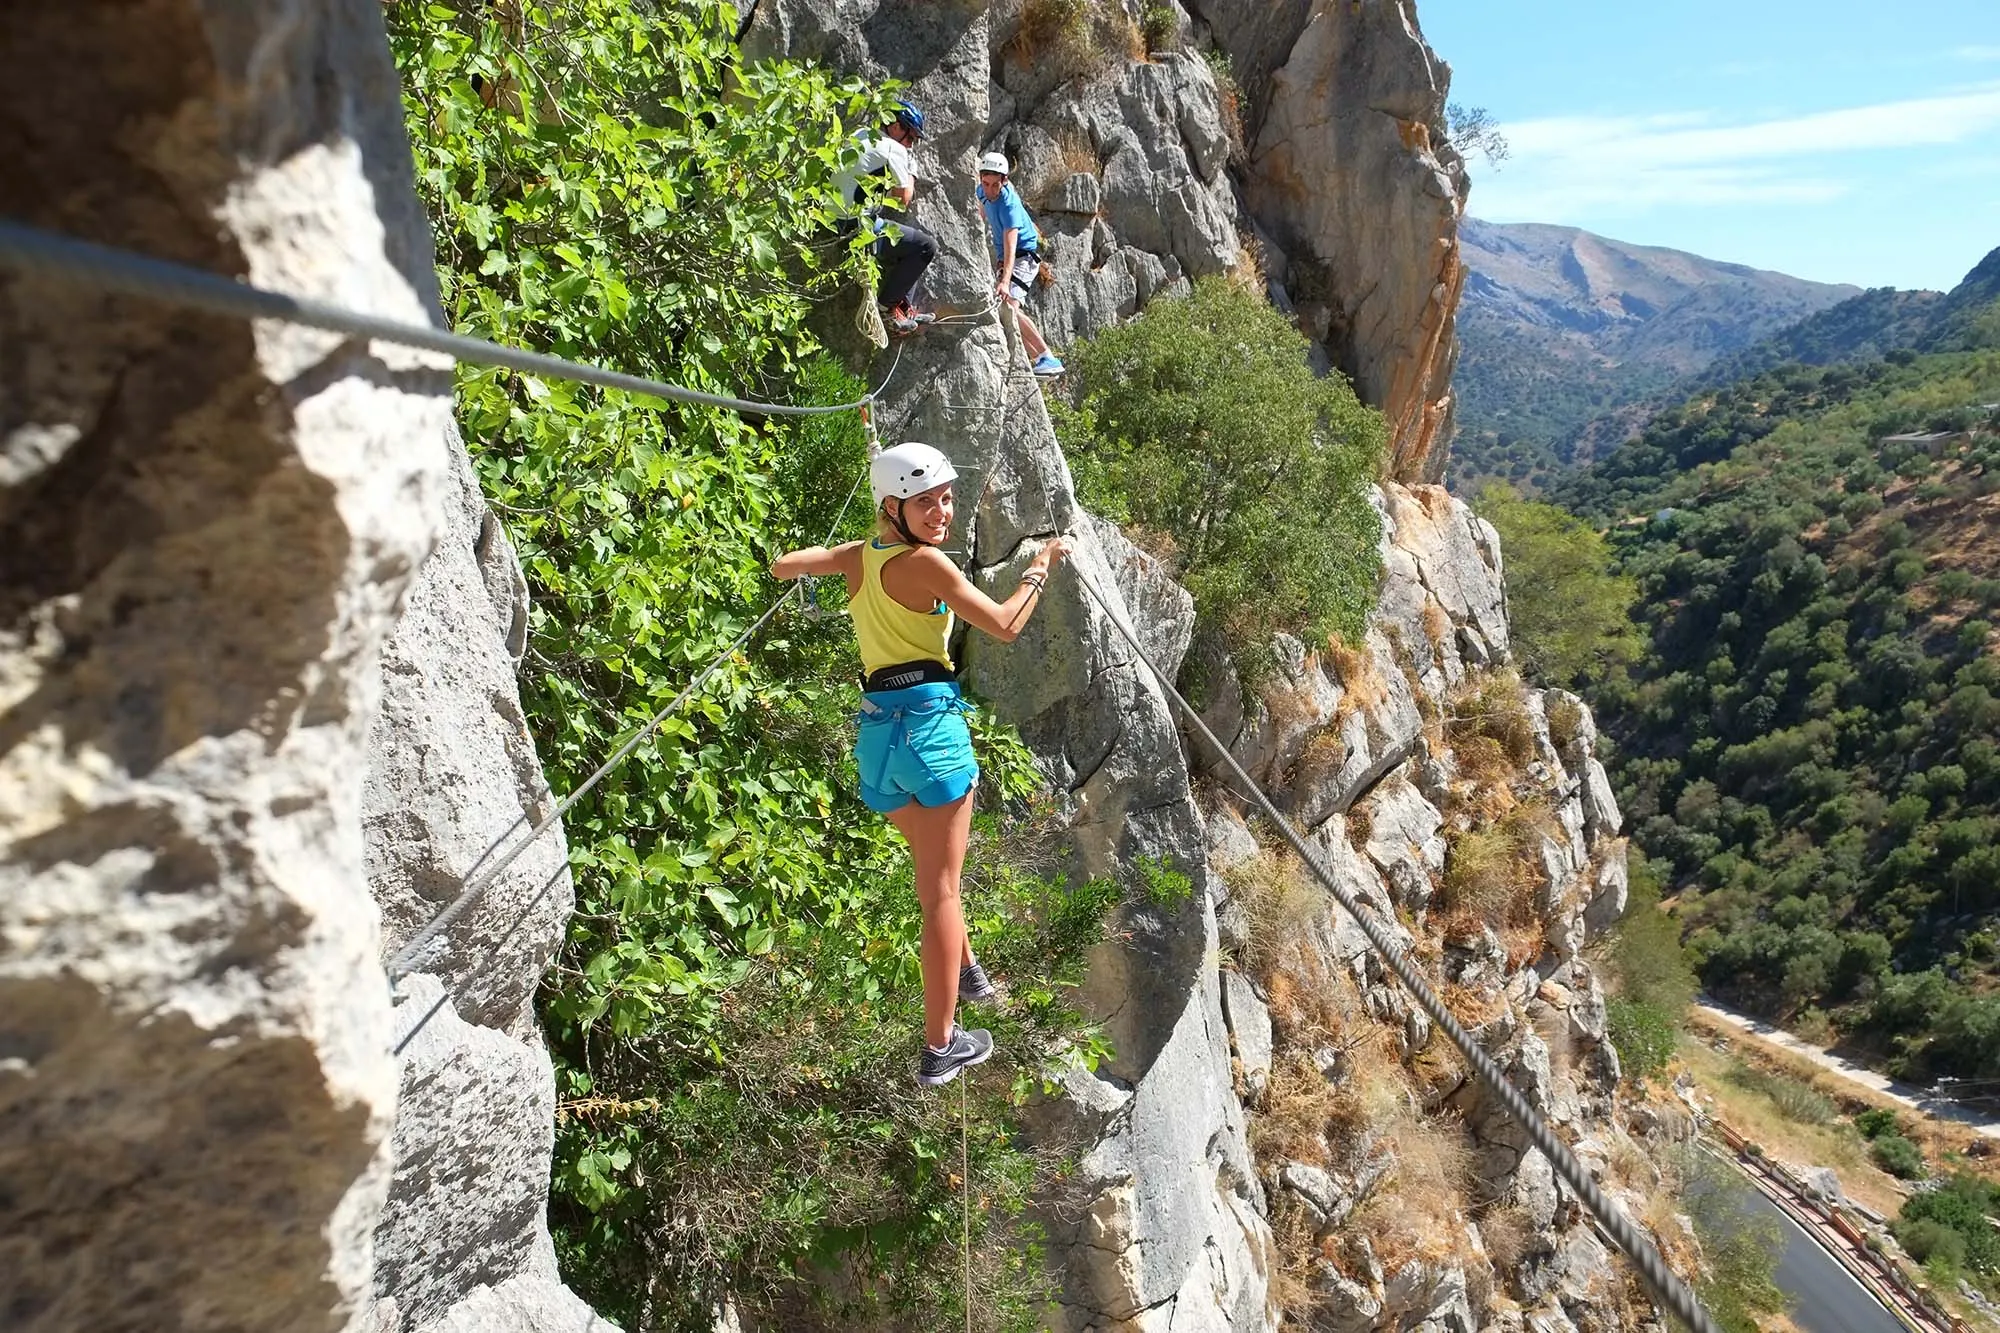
[934, 576]
[844, 559]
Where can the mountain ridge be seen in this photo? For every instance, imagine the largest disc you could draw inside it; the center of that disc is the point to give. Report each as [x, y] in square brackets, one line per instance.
[1561, 328]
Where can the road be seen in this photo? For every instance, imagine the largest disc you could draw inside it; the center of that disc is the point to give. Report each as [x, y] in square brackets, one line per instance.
[1825, 1297]
[1916, 1098]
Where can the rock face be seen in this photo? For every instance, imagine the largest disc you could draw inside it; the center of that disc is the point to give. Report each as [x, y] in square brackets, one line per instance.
[451, 768]
[1127, 167]
[1350, 176]
[208, 533]
[205, 531]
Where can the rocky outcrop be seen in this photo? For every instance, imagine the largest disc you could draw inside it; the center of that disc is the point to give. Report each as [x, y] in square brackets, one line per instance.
[205, 532]
[223, 764]
[1350, 175]
[1128, 168]
[463, 1241]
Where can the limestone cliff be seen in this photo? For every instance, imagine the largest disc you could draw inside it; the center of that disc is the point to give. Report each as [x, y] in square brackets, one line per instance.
[209, 533]
[1191, 1220]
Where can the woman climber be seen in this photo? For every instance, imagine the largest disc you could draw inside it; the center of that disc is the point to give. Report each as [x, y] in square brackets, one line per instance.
[914, 751]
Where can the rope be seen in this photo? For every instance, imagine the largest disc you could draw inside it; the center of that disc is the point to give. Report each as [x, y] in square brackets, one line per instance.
[965, 1195]
[28, 250]
[1667, 1288]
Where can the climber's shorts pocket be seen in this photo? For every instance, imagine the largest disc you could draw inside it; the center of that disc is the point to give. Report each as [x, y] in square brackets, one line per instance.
[913, 745]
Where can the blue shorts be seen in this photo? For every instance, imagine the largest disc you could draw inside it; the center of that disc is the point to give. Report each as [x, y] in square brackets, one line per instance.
[914, 745]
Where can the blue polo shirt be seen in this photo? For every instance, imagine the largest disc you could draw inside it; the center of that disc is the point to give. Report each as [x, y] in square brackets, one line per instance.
[1005, 214]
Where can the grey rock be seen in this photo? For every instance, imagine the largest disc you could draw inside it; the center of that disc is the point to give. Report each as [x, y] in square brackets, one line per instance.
[1610, 887]
[1230, 842]
[475, 1126]
[1250, 1027]
[1328, 1200]
[1404, 839]
[1348, 105]
[1078, 193]
[205, 531]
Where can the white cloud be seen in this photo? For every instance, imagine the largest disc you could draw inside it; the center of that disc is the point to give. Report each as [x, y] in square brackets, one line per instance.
[1563, 165]
[1981, 53]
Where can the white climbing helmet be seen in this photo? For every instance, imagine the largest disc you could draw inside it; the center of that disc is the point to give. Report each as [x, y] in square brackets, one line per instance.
[908, 469]
[996, 162]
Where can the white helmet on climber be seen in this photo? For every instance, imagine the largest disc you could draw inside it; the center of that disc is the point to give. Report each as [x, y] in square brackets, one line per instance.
[994, 162]
[908, 469]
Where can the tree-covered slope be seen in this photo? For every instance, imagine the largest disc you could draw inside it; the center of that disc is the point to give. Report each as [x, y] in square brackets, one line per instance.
[1809, 742]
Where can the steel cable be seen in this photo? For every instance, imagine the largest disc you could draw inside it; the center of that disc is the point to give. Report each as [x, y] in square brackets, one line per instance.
[1665, 1285]
[28, 250]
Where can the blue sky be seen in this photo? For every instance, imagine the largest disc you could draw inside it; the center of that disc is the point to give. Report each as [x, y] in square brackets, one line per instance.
[1834, 140]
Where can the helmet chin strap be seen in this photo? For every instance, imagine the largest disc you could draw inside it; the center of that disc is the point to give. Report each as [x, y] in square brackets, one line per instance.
[902, 528]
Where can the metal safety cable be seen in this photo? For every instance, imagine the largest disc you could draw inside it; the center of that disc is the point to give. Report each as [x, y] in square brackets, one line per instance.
[1666, 1286]
[29, 250]
[478, 881]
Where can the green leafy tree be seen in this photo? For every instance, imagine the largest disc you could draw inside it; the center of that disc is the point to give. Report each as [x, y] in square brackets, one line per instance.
[1202, 424]
[1740, 1243]
[1569, 610]
[733, 1014]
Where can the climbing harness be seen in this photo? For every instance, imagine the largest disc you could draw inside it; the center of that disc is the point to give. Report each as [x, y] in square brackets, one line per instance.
[1665, 1285]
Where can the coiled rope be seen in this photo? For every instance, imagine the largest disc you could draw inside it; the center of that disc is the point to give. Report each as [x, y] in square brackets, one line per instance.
[1666, 1286]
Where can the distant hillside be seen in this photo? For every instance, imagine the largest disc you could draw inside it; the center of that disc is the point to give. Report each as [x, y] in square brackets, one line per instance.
[1808, 744]
[1559, 327]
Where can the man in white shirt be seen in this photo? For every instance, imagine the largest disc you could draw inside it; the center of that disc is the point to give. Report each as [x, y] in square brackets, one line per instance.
[903, 259]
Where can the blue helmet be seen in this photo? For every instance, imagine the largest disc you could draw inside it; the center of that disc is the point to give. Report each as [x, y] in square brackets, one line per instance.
[910, 118]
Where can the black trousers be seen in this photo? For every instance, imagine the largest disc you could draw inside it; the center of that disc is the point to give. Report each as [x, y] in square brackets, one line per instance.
[903, 261]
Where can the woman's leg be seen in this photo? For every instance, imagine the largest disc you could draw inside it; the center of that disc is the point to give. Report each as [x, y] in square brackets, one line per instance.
[1031, 337]
[937, 836]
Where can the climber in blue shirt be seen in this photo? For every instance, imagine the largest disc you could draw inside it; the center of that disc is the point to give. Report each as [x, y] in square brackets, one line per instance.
[1017, 256]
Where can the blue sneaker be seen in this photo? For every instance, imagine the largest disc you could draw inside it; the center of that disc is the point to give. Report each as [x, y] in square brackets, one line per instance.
[1047, 366]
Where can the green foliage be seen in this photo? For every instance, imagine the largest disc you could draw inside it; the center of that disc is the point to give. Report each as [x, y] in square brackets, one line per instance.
[1652, 975]
[1806, 743]
[1898, 1156]
[1160, 885]
[1794, 1100]
[1201, 423]
[1875, 1123]
[1644, 1035]
[1569, 610]
[1740, 1243]
[733, 1015]
[1076, 37]
[1949, 1227]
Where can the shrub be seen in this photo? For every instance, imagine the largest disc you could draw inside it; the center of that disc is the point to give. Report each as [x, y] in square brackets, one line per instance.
[1793, 1099]
[1899, 1157]
[1569, 611]
[1877, 1122]
[1963, 1205]
[1644, 1035]
[1201, 421]
[1077, 37]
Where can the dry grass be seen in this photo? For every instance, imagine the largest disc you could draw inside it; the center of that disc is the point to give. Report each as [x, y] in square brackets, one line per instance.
[1437, 622]
[1507, 1231]
[1279, 904]
[1565, 721]
[1077, 37]
[1757, 1115]
[1940, 1140]
[1360, 681]
[1492, 718]
[1077, 153]
[1250, 270]
[1418, 1212]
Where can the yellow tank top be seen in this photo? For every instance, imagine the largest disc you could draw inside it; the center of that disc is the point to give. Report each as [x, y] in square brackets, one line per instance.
[891, 633]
